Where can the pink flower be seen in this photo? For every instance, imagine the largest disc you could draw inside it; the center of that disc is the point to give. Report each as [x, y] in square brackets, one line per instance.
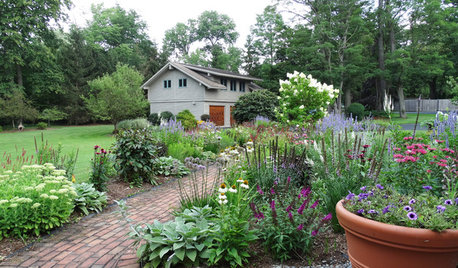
[313, 206]
[428, 171]
[398, 156]
[300, 227]
[314, 232]
[327, 218]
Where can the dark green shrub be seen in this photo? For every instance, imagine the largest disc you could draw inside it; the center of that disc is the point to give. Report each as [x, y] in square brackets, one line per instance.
[166, 115]
[138, 123]
[205, 117]
[356, 110]
[162, 149]
[1, 129]
[250, 105]
[135, 151]
[42, 125]
[187, 119]
[154, 119]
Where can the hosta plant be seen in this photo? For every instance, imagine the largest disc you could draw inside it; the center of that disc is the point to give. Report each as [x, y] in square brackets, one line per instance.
[33, 200]
[185, 240]
[88, 199]
[169, 166]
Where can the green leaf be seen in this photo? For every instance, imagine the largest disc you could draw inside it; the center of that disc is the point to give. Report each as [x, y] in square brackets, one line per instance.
[191, 254]
[156, 262]
[178, 245]
[199, 247]
[141, 250]
[164, 251]
[180, 253]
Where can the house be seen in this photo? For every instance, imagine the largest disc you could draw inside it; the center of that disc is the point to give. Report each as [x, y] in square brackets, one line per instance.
[201, 90]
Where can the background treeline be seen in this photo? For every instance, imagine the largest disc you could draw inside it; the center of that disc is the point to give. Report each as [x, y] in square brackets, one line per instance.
[365, 48]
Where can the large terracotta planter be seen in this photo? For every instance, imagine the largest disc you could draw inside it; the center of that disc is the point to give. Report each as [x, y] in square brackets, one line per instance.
[374, 244]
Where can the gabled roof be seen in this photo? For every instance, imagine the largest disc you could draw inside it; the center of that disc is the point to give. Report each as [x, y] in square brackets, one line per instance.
[191, 71]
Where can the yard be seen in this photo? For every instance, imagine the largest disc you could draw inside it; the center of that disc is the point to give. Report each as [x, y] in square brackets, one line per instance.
[82, 138]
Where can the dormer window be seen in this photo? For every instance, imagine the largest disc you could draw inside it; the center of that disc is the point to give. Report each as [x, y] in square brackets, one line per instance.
[182, 82]
[167, 83]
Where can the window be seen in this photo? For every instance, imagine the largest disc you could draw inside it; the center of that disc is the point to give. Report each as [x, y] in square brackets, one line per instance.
[224, 82]
[242, 86]
[233, 85]
[167, 83]
[182, 82]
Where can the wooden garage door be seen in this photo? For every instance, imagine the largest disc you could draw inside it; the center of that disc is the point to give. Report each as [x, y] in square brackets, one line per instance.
[232, 119]
[217, 115]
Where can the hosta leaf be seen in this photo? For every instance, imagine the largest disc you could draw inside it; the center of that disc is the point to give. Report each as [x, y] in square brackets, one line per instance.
[178, 245]
[164, 251]
[180, 253]
[191, 254]
[200, 247]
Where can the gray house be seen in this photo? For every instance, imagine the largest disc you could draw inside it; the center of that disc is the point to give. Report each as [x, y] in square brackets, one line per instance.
[201, 90]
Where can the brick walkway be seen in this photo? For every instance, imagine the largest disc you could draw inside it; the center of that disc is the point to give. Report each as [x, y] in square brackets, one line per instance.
[101, 240]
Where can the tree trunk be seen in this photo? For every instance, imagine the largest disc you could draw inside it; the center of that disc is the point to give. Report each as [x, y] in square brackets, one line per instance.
[347, 97]
[402, 102]
[433, 89]
[381, 59]
[19, 75]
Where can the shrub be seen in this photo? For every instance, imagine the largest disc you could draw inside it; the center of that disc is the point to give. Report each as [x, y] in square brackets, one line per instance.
[250, 105]
[100, 164]
[168, 166]
[356, 110]
[134, 152]
[1, 129]
[34, 201]
[185, 240]
[303, 98]
[205, 117]
[187, 119]
[88, 199]
[42, 125]
[138, 123]
[154, 119]
[166, 115]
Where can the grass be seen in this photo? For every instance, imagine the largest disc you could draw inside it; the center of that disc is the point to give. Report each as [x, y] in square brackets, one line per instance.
[72, 138]
[411, 117]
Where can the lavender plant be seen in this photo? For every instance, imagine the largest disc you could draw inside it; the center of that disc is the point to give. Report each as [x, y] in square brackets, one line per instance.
[445, 127]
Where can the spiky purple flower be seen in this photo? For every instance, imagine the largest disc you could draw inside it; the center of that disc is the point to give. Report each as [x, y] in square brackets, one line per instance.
[313, 206]
[386, 209]
[259, 190]
[427, 187]
[327, 218]
[314, 232]
[272, 191]
[300, 227]
[305, 192]
[440, 208]
[379, 186]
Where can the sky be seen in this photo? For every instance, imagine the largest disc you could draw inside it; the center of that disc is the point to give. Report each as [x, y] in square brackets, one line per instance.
[163, 15]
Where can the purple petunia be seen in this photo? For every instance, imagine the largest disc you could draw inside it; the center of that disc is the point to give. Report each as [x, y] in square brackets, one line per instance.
[363, 188]
[372, 211]
[440, 209]
[407, 208]
[412, 216]
[427, 187]
[360, 211]
[386, 209]
[448, 202]
[456, 201]
[379, 186]
[412, 201]
[350, 196]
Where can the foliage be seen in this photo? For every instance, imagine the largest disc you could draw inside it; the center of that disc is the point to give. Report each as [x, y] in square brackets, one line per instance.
[205, 117]
[134, 152]
[250, 105]
[185, 240]
[52, 114]
[187, 119]
[100, 164]
[17, 107]
[169, 166]
[356, 110]
[88, 199]
[42, 125]
[422, 210]
[166, 115]
[117, 96]
[34, 200]
[138, 123]
[154, 119]
[303, 98]
[183, 150]
[288, 223]
[445, 128]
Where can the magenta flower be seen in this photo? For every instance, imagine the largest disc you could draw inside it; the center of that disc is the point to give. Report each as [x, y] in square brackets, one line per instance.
[290, 216]
[314, 232]
[272, 205]
[327, 218]
[272, 191]
[96, 147]
[313, 206]
[288, 209]
[305, 192]
[259, 190]
[289, 179]
[300, 227]
[300, 210]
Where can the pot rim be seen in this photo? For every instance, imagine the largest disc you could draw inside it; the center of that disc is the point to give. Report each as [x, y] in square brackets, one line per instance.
[394, 235]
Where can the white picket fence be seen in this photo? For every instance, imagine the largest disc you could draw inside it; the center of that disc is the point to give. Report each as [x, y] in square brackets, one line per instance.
[428, 105]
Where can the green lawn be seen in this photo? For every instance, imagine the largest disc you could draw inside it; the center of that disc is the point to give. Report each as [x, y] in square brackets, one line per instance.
[72, 138]
[410, 118]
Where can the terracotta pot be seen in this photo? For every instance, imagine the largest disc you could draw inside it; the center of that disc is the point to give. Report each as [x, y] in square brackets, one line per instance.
[375, 244]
